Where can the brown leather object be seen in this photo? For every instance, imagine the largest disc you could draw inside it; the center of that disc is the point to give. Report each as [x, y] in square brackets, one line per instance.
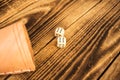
[15, 50]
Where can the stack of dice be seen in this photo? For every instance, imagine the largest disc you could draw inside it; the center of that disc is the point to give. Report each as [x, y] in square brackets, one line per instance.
[61, 40]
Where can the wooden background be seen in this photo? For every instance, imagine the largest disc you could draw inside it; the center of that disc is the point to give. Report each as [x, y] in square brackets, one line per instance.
[92, 29]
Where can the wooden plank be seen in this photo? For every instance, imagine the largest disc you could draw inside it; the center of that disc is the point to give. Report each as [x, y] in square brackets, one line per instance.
[77, 24]
[96, 62]
[57, 17]
[3, 77]
[4, 2]
[56, 10]
[46, 34]
[113, 72]
[13, 7]
[23, 8]
[54, 60]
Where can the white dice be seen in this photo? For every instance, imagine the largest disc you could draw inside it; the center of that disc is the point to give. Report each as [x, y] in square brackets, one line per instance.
[61, 42]
[59, 32]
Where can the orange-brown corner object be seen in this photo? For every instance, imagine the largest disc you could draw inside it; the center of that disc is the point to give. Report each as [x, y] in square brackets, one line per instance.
[15, 50]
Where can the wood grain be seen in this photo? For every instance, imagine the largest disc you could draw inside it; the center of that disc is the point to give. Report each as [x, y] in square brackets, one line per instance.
[92, 29]
[15, 10]
[113, 72]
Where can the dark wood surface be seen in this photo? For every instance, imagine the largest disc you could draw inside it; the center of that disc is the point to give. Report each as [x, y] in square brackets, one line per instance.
[92, 29]
[113, 71]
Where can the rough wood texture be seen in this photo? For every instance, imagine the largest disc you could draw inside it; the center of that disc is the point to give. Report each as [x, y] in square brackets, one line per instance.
[92, 29]
[113, 72]
[17, 9]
